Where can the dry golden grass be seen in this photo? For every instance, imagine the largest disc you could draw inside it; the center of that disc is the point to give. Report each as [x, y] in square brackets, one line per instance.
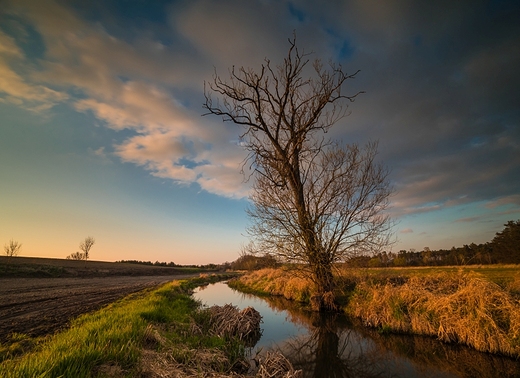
[454, 305]
[460, 308]
[275, 365]
[513, 286]
[229, 321]
[162, 364]
[279, 282]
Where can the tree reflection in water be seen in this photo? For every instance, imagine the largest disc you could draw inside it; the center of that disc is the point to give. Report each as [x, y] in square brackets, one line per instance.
[331, 346]
[337, 348]
[331, 352]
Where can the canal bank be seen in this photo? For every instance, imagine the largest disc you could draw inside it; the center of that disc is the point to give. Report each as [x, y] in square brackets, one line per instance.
[330, 345]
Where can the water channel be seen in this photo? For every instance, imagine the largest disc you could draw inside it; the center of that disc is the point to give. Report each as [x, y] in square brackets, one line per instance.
[329, 345]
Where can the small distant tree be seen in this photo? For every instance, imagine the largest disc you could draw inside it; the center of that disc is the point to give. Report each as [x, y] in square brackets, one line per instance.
[76, 256]
[86, 245]
[12, 248]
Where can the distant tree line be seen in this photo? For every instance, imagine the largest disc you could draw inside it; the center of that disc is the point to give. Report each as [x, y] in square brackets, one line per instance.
[171, 264]
[157, 263]
[252, 262]
[503, 249]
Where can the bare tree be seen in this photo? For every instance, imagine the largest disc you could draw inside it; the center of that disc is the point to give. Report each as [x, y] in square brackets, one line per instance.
[86, 245]
[315, 201]
[12, 248]
[76, 256]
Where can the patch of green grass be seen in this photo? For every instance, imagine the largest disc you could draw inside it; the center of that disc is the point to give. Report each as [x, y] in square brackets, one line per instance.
[113, 335]
[18, 344]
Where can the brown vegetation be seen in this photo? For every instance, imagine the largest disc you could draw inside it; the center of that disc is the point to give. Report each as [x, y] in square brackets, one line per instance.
[462, 308]
[229, 321]
[279, 282]
[275, 365]
[12, 248]
[162, 359]
[457, 307]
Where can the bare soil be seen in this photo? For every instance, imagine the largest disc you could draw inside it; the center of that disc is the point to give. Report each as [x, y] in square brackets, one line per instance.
[52, 268]
[40, 306]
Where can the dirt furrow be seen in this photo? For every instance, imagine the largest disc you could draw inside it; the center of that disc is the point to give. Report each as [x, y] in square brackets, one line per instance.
[38, 307]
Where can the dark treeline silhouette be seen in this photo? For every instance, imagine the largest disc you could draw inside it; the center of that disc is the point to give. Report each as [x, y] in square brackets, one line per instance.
[172, 264]
[503, 249]
[157, 263]
[251, 262]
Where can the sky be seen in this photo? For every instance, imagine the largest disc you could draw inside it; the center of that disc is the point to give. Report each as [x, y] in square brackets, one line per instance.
[102, 130]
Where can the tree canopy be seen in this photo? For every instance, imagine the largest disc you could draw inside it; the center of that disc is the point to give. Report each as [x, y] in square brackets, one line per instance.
[315, 200]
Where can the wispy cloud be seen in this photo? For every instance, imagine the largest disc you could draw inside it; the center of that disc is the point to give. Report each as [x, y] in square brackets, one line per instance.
[14, 88]
[467, 220]
[440, 96]
[132, 87]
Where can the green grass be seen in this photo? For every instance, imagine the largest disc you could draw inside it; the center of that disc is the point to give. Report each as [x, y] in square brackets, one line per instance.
[111, 336]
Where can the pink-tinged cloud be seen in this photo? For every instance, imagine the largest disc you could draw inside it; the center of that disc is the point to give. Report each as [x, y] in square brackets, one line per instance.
[16, 90]
[467, 220]
[509, 200]
[131, 87]
[8, 47]
[407, 231]
[155, 89]
[139, 106]
[223, 180]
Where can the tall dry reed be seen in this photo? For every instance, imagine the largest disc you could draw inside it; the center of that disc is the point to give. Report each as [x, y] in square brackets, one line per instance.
[279, 282]
[460, 308]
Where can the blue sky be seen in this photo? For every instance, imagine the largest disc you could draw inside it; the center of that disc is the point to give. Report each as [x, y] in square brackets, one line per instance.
[102, 133]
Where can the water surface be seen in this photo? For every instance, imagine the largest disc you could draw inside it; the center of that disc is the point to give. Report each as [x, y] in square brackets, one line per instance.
[329, 345]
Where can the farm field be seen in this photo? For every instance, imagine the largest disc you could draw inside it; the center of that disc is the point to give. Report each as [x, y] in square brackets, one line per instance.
[131, 337]
[40, 306]
[19, 267]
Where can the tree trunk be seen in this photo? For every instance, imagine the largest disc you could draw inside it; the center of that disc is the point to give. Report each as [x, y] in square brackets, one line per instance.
[324, 299]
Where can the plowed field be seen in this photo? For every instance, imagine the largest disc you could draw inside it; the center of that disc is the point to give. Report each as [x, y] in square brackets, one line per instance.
[40, 306]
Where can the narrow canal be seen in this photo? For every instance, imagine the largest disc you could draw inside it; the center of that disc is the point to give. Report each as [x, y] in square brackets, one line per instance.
[329, 345]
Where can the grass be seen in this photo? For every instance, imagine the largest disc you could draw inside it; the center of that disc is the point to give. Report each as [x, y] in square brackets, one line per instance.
[278, 282]
[475, 306]
[113, 338]
[464, 308]
[503, 275]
